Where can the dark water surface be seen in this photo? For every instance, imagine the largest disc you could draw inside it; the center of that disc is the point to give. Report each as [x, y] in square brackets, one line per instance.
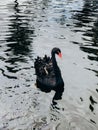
[33, 27]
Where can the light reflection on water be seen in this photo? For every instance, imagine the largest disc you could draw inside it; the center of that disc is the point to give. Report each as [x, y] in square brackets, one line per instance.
[31, 28]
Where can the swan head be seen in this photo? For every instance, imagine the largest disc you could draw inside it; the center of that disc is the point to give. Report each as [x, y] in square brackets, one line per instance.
[56, 51]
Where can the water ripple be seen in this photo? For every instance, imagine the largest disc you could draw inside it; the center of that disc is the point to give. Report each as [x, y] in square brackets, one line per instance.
[31, 28]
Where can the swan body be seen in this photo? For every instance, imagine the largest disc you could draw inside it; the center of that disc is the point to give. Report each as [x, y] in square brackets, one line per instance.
[47, 71]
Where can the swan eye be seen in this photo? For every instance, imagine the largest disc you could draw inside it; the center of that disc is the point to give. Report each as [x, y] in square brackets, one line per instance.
[58, 52]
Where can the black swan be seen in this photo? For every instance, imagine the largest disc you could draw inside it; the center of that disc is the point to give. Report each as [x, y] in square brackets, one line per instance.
[48, 73]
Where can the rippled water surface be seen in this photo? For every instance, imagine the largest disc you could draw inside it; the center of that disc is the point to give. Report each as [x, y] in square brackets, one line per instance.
[29, 28]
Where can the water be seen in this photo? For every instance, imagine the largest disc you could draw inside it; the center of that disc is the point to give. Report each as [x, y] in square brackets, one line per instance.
[32, 28]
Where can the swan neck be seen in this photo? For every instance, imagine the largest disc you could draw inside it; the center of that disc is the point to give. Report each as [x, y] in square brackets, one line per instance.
[56, 68]
[54, 61]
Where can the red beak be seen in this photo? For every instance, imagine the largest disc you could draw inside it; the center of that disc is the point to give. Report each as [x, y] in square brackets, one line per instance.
[60, 55]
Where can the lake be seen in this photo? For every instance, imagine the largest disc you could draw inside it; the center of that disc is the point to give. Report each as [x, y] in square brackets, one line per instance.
[31, 28]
